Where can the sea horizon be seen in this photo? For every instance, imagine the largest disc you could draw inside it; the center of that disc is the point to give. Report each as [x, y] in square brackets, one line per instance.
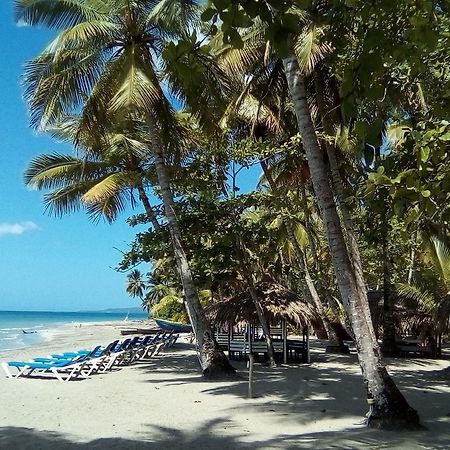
[132, 309]
[19, 329]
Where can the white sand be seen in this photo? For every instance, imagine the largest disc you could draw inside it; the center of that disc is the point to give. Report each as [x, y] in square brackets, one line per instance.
[164, 404]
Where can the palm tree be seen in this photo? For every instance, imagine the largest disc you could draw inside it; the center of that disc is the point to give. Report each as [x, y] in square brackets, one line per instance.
[388, 406]
[101, 178]
[136, 286]
[108, 59]
[150, 291]
[262, 100]
[429, 294]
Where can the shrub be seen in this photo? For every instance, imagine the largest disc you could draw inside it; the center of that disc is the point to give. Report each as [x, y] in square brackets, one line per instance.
[170, 308]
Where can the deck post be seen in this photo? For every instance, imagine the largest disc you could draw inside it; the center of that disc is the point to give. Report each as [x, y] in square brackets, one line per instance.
[230, 331]
[284, 334]
[250, 375]
[308, 355]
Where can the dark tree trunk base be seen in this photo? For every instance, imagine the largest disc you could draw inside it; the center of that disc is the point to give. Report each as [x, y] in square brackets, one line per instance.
[390, 410]
[395, 420]
[215, 364]
[220, 370]
[337, 349]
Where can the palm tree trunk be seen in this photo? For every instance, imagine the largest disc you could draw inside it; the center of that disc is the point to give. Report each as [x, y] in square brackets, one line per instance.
[412, 259]
[284, 275]
[338, 187]
[389, 346]
[263, 321]
[389, 409]
[303, 266]
[248, 276]
[213, 361]
[147, 206]
[308, 227]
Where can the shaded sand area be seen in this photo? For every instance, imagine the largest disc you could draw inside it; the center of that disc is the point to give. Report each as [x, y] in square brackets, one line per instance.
[163, 403]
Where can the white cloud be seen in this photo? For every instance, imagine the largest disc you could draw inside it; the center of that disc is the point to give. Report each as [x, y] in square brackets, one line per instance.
[16, 228]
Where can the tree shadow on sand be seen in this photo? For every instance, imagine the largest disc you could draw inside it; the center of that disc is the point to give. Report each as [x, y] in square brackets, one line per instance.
[210, 437]
[155, 438]
[307, 393]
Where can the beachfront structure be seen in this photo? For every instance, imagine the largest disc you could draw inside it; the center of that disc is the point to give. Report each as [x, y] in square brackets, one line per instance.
[418, 333]
[238, 328]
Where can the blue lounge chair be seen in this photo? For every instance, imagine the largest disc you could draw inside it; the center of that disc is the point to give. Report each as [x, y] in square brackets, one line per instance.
[70, 369]
[82, 365]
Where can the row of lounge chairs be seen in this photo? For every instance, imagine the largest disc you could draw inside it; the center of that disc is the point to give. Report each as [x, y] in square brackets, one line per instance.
[83, 363]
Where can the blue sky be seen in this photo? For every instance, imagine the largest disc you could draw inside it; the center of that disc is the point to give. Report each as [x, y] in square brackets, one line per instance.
[48, 263]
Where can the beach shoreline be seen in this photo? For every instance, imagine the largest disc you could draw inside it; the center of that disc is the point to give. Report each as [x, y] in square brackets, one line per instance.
[22, 329]
[164, 403]
[75, 334]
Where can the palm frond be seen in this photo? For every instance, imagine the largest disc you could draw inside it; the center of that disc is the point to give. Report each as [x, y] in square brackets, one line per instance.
[56, 170]
[413, 297]
[440, 252]
[58, 13]
[138, 84]
[106, 187]
[54, 89]
[311, 48]
[195, 79]
[174, 17]
[66, 200]
[108, 208]
[102, 32]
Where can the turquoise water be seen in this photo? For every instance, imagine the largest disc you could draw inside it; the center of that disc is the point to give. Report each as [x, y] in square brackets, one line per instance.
[35, 323]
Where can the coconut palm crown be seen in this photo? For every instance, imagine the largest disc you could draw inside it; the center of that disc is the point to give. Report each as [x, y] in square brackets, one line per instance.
[115, 56]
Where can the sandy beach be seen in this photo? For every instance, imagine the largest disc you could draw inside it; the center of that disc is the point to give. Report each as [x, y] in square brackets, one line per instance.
[163, 403]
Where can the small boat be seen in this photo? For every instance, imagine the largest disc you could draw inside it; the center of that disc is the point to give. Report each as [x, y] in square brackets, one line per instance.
[29, 332]
[140, 331]
[177, 327]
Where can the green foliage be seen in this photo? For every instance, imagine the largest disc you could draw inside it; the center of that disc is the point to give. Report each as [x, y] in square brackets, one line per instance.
[170, 309]
[281, 18]
[386, 81]
[429, 294]
[416, 174]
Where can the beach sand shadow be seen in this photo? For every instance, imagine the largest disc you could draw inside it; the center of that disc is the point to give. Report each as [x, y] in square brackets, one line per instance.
[209, 437]
[313, 392]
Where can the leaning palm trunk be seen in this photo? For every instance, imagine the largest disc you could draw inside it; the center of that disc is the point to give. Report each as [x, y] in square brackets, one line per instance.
[303, 266]
[338, 188]
[264, 323]
[389, 345]
[248, 276]
[309, 229]
[389, 409]
[148, 207]
[213, 361]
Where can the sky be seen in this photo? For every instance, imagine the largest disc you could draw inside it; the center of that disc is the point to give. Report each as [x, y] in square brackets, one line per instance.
[49, 263]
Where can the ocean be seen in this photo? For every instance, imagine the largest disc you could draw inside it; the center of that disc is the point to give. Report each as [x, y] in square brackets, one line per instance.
[20, 329]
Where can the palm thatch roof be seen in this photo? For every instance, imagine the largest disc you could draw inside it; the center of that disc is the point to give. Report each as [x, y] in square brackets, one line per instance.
[408, 318]
[276, 301]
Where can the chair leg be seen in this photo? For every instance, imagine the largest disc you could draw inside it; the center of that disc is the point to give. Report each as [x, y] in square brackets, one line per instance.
[71, 374]
[7, 371]
[157, 349]
[57, 374]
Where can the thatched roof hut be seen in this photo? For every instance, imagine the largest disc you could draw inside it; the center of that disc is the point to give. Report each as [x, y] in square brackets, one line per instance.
[408, 318]
[277, 302]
